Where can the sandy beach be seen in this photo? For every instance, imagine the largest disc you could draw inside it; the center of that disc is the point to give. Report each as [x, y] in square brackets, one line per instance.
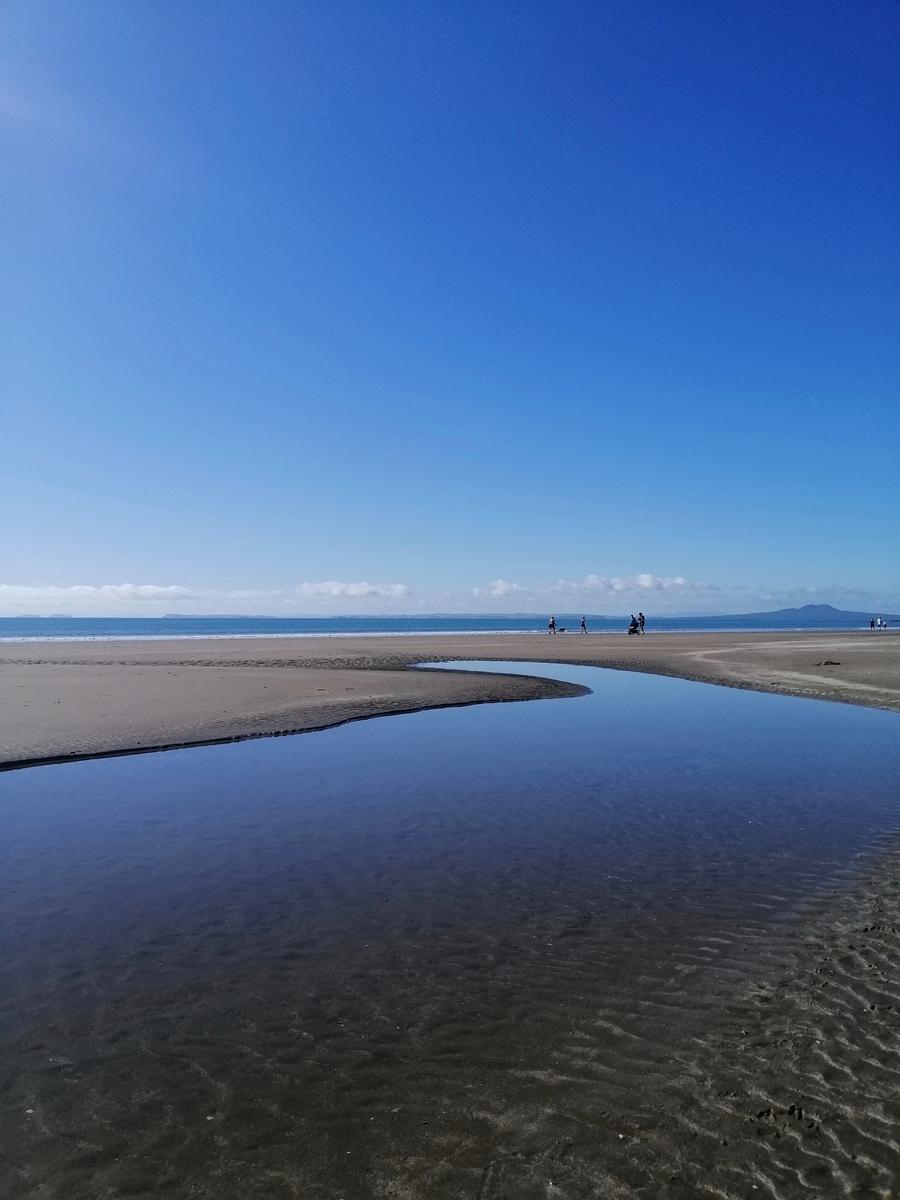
[77, 699]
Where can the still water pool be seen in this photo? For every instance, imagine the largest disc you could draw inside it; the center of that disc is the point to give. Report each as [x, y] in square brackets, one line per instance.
[355, 963]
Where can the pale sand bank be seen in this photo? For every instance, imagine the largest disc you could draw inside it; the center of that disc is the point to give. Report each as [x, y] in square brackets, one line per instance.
[70, 699]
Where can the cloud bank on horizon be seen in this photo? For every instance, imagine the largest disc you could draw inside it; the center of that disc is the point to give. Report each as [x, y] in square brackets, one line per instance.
[597, 585]
[334, 588]
[669, 594]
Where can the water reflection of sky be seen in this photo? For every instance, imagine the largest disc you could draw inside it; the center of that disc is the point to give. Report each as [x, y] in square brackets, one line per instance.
[435, 863]
[652, 783]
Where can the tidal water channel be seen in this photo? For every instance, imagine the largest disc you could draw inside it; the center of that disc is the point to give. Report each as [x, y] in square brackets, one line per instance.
[380, 960]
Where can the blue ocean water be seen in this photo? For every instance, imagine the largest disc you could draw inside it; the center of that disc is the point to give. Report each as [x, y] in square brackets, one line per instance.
[27, 628]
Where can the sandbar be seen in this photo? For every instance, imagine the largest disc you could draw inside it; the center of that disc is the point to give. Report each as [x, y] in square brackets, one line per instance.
[70, 699]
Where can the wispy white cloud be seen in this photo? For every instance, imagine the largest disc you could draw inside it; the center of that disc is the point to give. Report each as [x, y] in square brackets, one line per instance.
[106, 593]
[662, 593]
[593, 587]
[590, 584]
[500, 587]
[335, 588]
[153, 598]
[644, 582]
[252, 594]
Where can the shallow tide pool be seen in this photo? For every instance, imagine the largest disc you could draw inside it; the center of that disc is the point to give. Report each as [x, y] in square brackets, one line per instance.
[362, 962]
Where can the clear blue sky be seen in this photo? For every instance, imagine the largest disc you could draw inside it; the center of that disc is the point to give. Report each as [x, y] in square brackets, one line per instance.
[522, 298]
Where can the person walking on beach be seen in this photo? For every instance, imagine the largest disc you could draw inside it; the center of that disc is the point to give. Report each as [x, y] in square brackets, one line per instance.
[583, 625]
[641, 620]
[551, 625]
[872, 623]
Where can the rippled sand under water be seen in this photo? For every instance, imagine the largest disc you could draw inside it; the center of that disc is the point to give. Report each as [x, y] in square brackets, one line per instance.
[640, 943]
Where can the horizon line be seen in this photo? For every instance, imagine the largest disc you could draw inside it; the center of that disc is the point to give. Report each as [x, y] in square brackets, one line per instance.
[445, 615]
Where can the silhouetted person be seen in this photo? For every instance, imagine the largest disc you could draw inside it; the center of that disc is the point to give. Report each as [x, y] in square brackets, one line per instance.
[641, 620]
[583, 625]
[551, 625]
[872, 623]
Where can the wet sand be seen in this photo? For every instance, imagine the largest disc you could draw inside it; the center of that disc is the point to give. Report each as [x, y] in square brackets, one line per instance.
[78, 699]
[784, 1089]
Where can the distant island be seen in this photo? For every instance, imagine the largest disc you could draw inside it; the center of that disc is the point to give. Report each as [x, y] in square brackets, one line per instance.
[43, 617]
[814, 612]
